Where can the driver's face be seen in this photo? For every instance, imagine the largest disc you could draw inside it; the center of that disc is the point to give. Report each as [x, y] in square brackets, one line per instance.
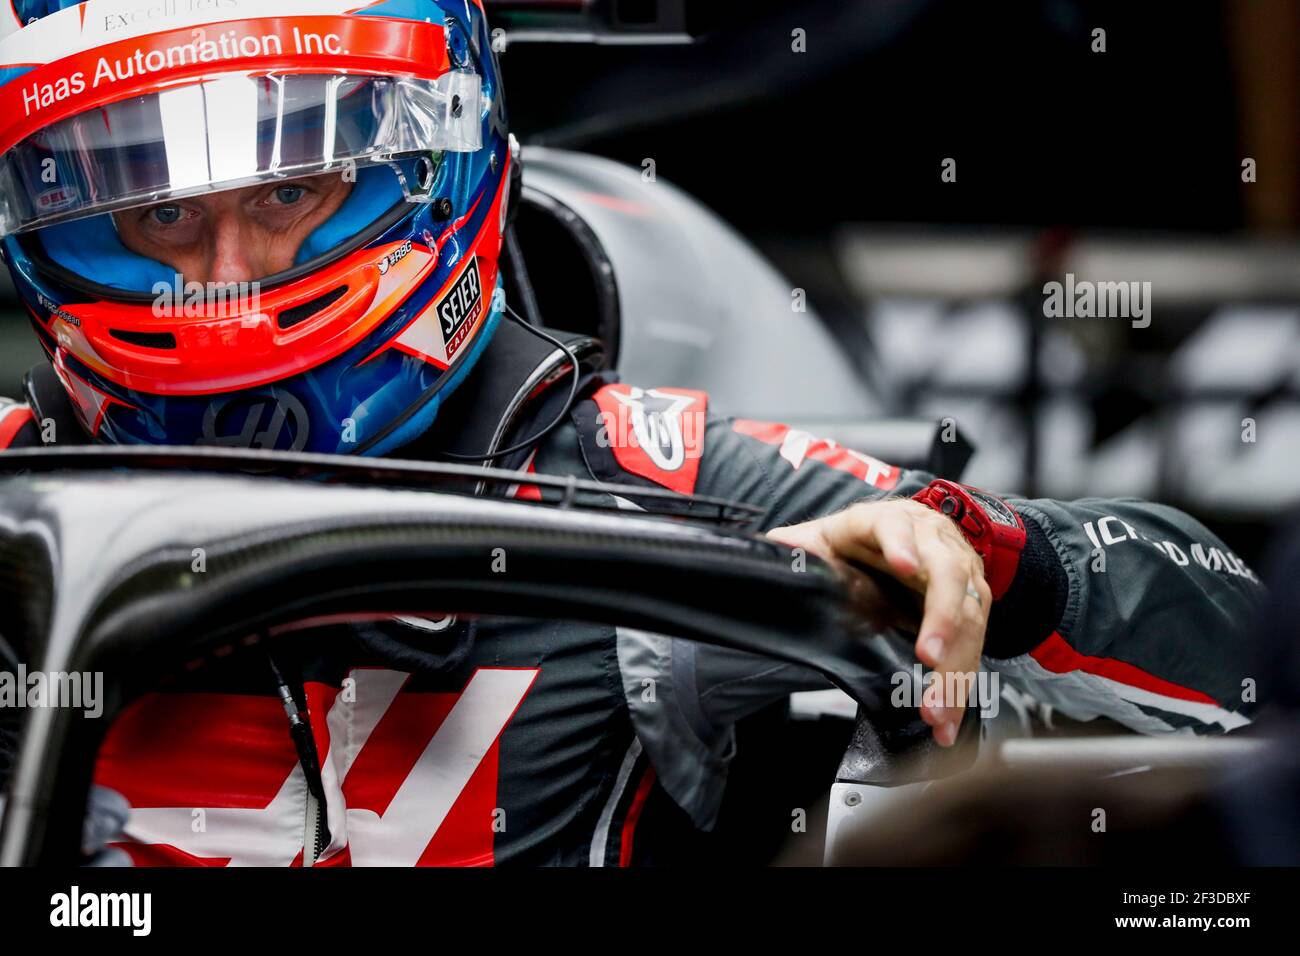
[240, 235]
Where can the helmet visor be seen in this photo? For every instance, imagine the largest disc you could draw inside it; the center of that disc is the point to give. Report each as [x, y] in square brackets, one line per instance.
[231, 131]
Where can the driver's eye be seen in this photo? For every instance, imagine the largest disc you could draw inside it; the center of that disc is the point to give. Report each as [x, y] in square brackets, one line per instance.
[166, 215]
[289, 194]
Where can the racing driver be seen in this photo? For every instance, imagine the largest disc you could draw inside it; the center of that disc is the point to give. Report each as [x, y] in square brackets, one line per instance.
[343, 176]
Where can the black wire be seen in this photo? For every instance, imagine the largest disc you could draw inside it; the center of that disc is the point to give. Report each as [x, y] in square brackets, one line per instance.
[519, 271]
[568, 402]
[300, 732]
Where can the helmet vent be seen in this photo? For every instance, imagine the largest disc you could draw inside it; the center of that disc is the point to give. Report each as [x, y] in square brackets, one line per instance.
[148, 340]
[300, 313]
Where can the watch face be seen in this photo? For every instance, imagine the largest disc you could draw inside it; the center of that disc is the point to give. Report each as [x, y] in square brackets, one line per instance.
[995, 508]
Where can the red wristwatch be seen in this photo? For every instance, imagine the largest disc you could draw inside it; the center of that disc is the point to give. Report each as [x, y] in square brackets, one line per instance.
[993, 529]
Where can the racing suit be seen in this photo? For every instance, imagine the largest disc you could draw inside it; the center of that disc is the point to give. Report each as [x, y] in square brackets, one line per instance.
[446, 742]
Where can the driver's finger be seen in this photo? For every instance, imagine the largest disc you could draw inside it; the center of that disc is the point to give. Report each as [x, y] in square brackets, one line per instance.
[952, 624]
[807, 535]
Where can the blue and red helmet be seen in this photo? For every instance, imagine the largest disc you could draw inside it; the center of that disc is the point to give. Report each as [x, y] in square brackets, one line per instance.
[388, 303]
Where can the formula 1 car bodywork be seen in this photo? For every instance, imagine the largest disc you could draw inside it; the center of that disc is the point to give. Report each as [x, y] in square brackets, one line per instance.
[681, 297]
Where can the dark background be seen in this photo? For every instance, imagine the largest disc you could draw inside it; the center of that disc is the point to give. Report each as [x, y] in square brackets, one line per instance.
[1144, 136]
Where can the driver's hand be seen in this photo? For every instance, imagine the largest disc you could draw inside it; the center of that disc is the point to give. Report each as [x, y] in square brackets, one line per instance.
[924, 551]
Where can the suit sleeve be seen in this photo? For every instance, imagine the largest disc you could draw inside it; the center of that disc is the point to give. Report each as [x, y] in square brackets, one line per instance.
[1120, 608]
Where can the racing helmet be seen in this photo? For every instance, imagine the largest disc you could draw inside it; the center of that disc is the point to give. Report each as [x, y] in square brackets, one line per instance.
[110, 106]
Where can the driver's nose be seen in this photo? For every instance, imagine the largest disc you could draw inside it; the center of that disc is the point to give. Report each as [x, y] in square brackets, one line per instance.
[232, 254]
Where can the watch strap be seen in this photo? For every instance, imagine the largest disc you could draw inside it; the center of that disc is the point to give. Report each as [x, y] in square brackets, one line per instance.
[994, 529]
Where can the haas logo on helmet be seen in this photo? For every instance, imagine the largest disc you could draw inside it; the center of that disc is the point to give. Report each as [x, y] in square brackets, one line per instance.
[274, 421]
